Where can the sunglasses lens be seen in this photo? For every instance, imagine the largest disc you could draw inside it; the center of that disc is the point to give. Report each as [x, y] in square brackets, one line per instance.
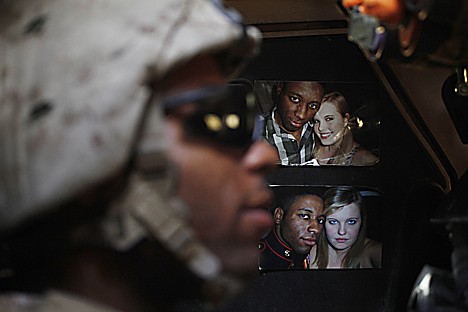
[227, 116]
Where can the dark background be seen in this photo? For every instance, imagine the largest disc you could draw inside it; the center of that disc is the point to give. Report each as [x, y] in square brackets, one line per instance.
[411, 184]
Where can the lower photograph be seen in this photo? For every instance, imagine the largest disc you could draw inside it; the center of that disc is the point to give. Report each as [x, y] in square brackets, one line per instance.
[323, 227]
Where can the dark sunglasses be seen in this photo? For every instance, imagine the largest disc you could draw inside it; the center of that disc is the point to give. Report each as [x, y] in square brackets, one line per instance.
[225, 114]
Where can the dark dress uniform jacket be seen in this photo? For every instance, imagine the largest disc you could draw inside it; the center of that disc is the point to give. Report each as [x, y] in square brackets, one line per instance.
[275, 255]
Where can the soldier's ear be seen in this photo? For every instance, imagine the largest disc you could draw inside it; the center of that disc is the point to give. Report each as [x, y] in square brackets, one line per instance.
[278, 215]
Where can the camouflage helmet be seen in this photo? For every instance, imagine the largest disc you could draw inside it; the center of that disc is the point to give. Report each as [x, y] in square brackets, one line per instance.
[73, 91]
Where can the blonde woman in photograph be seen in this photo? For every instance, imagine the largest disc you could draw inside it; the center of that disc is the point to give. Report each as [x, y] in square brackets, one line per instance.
[343, 243]
[335, 144]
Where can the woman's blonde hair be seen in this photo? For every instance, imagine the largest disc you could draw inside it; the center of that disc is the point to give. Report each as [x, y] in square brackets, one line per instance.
[346, 145]
[334, 200]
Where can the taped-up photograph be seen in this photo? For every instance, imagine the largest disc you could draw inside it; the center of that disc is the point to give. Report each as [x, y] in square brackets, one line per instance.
[325, 227]
[320, 123]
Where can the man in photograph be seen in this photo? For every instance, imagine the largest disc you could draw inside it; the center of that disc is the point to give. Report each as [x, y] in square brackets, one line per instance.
[288, 127]
[298, 221]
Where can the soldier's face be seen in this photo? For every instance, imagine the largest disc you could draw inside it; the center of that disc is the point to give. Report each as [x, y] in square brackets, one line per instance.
[301, 224]
[223, 186]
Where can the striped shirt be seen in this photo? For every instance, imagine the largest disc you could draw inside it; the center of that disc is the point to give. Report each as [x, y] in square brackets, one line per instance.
[289, 151]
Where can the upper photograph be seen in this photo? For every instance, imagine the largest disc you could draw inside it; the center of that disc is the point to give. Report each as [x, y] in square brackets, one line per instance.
[313, 123]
